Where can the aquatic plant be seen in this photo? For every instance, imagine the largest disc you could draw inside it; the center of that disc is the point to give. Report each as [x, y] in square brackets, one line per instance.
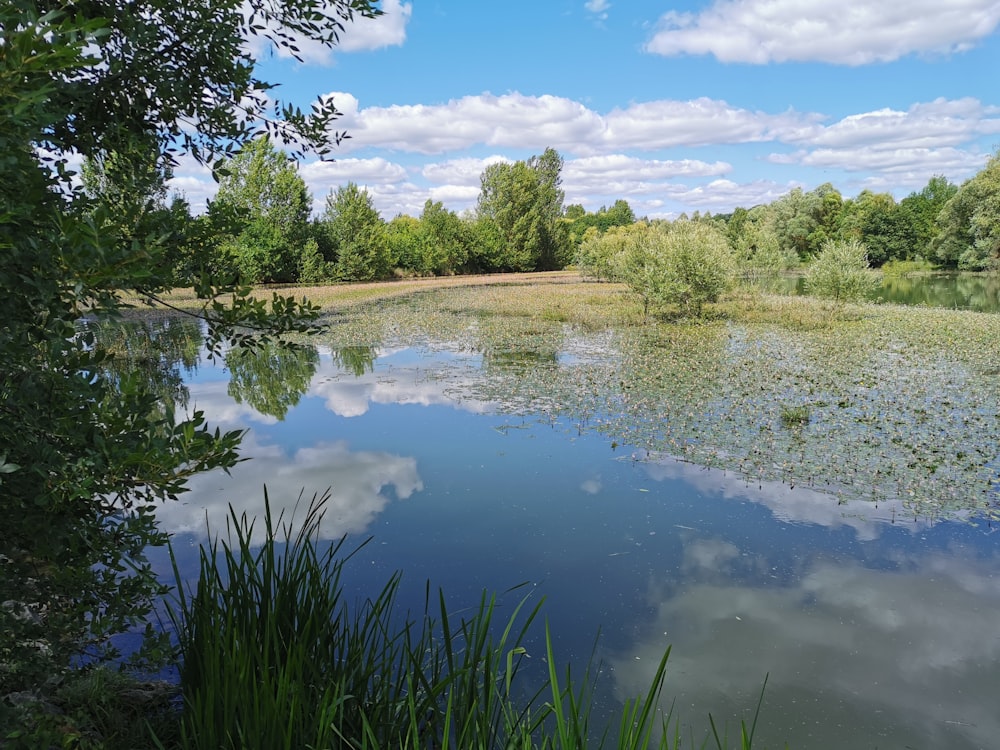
[274, 656]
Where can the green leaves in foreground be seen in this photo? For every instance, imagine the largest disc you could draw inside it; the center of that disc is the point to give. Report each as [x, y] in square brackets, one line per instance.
[275, 657]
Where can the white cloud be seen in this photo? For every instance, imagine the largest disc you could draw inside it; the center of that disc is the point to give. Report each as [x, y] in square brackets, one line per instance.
[388, 30]
[349, 396]
[887, 160]
[512, 120]
[604, 151]
[934, 124]
[535, 122]
[623, 167]
[698, 122]
[322, 177]
[461, 171]
[598, 8]
[361, 34]
[844, 32]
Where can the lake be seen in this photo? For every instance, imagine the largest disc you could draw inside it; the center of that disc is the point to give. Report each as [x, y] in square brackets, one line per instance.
[960, 291]
[476, 459]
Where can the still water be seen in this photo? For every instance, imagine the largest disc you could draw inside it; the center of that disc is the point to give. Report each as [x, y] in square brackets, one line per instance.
[874, 630]
[958, 291]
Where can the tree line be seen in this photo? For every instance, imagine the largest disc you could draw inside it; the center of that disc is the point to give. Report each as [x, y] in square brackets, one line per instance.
[259, 227]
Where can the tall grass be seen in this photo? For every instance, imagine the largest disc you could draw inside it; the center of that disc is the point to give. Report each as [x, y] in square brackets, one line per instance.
[275, 657]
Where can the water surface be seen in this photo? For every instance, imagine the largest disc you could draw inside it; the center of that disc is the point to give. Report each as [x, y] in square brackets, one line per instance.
[875, 628]
[952, 290]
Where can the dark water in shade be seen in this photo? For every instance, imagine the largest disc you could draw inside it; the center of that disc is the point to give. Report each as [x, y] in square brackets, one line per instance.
[961, 291]
[876, 630]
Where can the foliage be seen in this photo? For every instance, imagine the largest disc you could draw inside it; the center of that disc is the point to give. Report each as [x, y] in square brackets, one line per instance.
[886, 228]
[969, 235]
[407, 241]
[88, 451]
[445, 249]
[600, 256]
[266, 202]
[794, 416]
[841, 273]
[356, 233]
[921, 211]
[523, 201]
[907, 267]
[757, 249]
[313, 267]
[579, 221]
[804, 221]
[687, 263]
[97, 708]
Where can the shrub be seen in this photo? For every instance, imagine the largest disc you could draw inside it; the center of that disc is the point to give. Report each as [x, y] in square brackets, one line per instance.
[841, 272]
[687, 263]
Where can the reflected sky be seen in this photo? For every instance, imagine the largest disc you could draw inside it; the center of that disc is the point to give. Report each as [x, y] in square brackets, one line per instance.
[876, 629]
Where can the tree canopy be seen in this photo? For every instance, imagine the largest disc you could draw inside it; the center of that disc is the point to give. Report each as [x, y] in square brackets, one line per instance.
[87, 451]
[523, 201]
[264, 200]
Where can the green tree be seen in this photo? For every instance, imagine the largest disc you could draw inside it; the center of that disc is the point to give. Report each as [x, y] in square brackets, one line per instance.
[756, 247]
[804, 221]
[687, 263]
[969, 234]
[406, 241]
[600, 256]
[578, 221]
[446, 249]
[875, 220]
[841, 272]
[266, 199]
[357, 233]
[87, 451]
[128, 204]
[921, 211]
[523, 201]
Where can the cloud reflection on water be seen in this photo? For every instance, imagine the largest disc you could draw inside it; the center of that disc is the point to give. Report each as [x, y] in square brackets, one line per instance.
[899, 655]
[348, 394]
[788, 504]
[358, 480]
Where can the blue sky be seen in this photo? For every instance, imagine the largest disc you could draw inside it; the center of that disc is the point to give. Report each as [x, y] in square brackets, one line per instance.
[674, 105]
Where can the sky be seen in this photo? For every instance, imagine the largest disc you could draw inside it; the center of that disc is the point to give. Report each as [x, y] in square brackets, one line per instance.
[675, 106]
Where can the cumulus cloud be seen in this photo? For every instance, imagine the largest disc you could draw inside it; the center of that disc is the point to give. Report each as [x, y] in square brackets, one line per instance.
[622, 167]
[361, 34]
[322, 177]
[482, 119]
[698, 122]
[888, 161]
[927, 125]
[842, 32]
[461, 171]
[388, 30]
[611, 155]
[535, 122]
